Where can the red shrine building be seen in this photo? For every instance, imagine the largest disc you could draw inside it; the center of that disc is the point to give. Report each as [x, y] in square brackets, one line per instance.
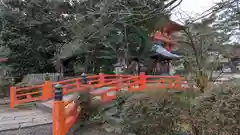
[162, 48]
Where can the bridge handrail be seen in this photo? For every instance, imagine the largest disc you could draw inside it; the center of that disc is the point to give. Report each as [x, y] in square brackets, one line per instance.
[20, 95]
[70, 109]
[110, 93]
[67, 119]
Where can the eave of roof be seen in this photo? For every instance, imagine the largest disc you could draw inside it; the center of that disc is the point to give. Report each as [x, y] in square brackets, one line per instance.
[172, 27]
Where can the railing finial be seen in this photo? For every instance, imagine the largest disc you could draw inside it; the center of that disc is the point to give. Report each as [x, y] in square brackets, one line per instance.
[84, 78]
[58, 112]
[47, 77]
[58, 92]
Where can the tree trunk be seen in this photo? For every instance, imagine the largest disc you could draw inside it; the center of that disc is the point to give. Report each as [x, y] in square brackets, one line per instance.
[86, 63]
[233, 66]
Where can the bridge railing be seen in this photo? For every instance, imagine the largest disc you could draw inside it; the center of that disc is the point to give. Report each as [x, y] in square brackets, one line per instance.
[25, 95]
[166, 82]
[65, 113]
[43, 92]
[112, 84]
[111, 88]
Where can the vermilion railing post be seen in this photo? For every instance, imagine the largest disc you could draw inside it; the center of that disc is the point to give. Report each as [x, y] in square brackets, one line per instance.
[162, 82]
[77, 84]
[120, 83]
[58, 112]
[12, 96]
[47, 91]
[101, 79]
[177, 83]
[143, 80]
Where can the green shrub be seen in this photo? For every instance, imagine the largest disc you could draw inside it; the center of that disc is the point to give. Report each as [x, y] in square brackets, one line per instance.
[217, 112]
[152, 112]
[4, 86]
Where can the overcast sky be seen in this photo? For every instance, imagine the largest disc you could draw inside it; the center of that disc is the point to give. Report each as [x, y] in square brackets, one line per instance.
[192, 8]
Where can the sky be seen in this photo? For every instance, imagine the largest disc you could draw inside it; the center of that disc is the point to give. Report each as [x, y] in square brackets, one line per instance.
[191, 8]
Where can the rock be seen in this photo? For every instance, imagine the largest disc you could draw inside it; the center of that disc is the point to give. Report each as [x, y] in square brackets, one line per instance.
[114, 120]
[108, 106]
[112, 129]
[131, 134]
[112, 116]
[118, 130]
[111, 112]
[108, 128]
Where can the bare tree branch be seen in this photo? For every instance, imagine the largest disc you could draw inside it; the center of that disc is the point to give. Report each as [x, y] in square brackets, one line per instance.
[170, 3]
[176, 5]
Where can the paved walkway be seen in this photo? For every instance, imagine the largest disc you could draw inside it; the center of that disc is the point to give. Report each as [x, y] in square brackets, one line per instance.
[4, 101]
[11, 119]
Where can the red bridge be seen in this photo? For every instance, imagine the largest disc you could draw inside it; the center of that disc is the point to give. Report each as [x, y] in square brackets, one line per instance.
[65, 113]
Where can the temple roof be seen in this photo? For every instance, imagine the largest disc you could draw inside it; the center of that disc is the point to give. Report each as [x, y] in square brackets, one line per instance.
[159, 36]
[168, 27]
[172, 27]
[158, 50]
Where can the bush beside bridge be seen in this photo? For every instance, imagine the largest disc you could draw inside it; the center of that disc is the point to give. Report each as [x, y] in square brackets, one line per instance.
[163, 112]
